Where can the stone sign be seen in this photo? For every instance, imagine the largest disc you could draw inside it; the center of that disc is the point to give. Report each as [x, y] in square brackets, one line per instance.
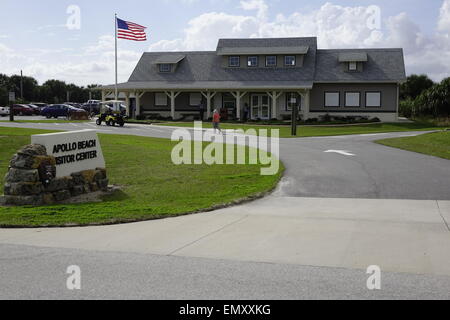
[73, 151]
[31, 179]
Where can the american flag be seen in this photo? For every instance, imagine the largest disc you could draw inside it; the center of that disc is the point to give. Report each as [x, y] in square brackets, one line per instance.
[130, 31]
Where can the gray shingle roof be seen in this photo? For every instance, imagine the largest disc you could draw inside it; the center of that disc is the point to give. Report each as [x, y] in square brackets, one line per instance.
[262, 50]
[353, 57]
[170, 59]
[383, 65]
[210, 85]
[204, 70]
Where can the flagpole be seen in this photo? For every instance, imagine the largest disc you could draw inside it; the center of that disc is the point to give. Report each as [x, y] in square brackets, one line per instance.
[115, 24]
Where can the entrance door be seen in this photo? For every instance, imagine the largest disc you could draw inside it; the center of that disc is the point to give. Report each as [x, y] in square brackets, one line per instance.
[260, 107]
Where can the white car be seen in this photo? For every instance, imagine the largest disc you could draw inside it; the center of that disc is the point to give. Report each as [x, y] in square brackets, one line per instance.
[4, 111]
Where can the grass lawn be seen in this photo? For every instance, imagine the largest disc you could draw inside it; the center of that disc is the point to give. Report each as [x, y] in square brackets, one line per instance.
[153, 187]
[434, 144]
[315, 131]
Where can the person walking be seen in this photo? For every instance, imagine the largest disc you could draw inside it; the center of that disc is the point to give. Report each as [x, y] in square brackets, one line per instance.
[216, 121]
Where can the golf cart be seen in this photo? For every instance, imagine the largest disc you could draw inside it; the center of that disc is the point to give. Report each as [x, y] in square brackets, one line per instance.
[112, 112]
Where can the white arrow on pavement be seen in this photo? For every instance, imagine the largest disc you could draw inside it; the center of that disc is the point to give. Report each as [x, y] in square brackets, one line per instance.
[343, 152]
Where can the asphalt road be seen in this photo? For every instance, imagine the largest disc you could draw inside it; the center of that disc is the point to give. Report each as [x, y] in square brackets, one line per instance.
[359, 169]
[40, 273]
[374, 172]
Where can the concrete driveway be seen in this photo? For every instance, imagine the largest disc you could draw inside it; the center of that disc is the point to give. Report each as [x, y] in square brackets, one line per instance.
[345, 204]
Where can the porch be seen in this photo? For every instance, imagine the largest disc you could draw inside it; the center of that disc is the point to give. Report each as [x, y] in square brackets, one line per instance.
[233, 104]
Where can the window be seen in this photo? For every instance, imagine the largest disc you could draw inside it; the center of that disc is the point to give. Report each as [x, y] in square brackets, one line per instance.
[165, 68]
[289, 61]
[352, 66]
[292, 100]
[234, 61]
[373, 99]
[160, 99]
[352, 99]
[271, 61]
[332, 99]
[252, 61]
[195, 99]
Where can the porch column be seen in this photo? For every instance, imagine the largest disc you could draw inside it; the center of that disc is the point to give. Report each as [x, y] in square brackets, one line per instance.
[304, 96]
[274, 95]
[307, 106]
[238, 95]
[127, 102]
[138, 95]
[209, 95]
[172, 96]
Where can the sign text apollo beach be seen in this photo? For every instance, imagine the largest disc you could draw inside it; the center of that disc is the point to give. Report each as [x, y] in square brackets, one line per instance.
[73, 151]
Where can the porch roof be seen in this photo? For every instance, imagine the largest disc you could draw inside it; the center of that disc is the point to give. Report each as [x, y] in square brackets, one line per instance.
[211, 85]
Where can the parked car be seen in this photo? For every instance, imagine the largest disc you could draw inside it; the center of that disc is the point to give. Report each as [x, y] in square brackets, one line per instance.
[41, 105]
[4, 111]
[36, 109]
[22, 110]
[60, 110]
[91, 108]
[74, 104]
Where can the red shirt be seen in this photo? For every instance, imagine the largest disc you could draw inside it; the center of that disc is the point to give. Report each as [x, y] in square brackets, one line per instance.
[216, 118]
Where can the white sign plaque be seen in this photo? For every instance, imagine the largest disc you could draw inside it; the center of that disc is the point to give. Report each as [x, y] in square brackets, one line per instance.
[74, 151]
[12, 97]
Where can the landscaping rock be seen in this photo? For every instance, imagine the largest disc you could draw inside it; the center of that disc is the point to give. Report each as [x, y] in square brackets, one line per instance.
[33, 150]
[31, 180]
[103, 184]
[48, 199]
[23, 200]
[100, 174]
[62, 195]
[23, 188]
[76, 191]
[22, 175]
[59, 184]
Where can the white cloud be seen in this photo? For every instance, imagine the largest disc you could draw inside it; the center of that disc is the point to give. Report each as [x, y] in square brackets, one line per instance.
[335, 26]
[444, 17]
[91, 64]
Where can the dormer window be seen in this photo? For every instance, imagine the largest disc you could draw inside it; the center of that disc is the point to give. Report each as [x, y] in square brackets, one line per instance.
[234, 61]
[165, 68]
[252, 62]
[352, 66]
[271, 61]
[289, 61]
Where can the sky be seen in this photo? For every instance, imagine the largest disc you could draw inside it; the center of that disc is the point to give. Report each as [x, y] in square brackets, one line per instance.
[74, 40]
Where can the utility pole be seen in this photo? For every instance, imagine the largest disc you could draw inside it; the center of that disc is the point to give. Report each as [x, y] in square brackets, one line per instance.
[21, 85]
[294, 120]
[12, 99]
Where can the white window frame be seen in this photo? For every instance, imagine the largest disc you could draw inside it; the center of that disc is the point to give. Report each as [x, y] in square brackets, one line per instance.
[159, 98]
[249, 61]
[352, 99]
[373, 105]
[294, 60]
[289, 97]
[327, 99]
[271, 65]
[238, 59]
[352, 66]
[195, 98]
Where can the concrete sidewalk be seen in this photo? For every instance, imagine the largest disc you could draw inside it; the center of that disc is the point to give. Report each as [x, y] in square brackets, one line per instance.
[398, 235]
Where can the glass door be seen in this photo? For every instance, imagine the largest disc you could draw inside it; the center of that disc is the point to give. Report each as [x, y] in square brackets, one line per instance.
[260, 107]
[255, 107]
[265, 107]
